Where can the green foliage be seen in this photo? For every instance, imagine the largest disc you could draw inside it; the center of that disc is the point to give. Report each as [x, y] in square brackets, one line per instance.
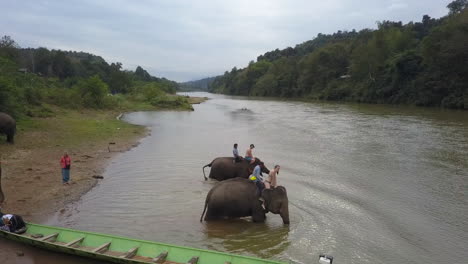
[457, 6]
[263, 84]
[422, 63]
[142, 75]
[445, 57]
[8, 96]
[118, 81]
[147, 91]
[32, 81]
[61, 65]
[155, 94]
[171, 101]
[8, 48]
[92, 92]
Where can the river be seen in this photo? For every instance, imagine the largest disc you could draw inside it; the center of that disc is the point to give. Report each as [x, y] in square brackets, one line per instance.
[366, 183]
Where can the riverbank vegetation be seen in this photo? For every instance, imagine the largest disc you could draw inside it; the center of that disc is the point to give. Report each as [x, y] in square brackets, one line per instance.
[68, 101]
[33, 80]
[420, 63]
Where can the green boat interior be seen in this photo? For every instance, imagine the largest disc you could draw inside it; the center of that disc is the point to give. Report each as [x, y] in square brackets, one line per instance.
[120, 249]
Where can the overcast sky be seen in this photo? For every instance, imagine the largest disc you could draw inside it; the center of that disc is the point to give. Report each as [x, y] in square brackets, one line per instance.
[189, 40]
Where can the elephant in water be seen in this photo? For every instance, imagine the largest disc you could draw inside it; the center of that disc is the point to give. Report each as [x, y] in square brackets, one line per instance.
[224, 168]
[237, 197]
[7, 126]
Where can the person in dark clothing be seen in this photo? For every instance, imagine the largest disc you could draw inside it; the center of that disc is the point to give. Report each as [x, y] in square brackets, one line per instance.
[1, 215]
[12, 222]
[235, 153]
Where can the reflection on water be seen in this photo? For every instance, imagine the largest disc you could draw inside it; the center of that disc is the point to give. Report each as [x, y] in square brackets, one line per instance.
[242, 236]
[366, 184]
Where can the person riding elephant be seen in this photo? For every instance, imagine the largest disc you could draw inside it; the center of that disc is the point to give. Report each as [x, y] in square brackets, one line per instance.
[7, 126]
[237, 197]
[223, 168]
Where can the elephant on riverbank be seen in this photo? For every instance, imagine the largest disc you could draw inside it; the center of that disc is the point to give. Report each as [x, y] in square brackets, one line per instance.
[7, 126]
[2, 197]
[224, 168]
[237, 197]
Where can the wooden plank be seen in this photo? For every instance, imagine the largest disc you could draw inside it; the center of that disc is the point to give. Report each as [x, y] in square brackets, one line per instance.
[193, 260]
[160, 258]
[36, 236]
[102, 248]
[74, 242]
[54, 235]
[131, 253]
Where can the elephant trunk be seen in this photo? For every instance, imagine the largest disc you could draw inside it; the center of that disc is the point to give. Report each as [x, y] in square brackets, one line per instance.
[204, 210]
[284, 213]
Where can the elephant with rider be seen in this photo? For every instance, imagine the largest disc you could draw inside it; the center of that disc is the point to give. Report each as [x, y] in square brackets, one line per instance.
[234, 198]
[223, 168]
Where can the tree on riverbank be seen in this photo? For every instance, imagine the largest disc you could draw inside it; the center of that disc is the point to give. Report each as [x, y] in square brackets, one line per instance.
[33, 79]
[422, 63]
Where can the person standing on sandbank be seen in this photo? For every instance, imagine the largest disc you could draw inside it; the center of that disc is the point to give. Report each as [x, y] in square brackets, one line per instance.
[65, 163]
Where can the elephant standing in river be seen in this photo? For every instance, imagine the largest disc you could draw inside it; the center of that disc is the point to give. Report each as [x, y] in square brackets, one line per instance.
[7, 126]
[237, 197]
[224, 168]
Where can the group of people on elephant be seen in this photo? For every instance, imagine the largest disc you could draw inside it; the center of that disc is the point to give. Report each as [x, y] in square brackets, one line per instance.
[256, 174]
[248, 154]
[243, 191]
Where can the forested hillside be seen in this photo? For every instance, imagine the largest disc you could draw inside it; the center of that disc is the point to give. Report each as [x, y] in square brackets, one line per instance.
[199, 85]
[423, 63]
[32, 80]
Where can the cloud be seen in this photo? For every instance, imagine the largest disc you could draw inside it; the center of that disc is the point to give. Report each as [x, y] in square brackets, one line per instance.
[186, 40]
[396, 5]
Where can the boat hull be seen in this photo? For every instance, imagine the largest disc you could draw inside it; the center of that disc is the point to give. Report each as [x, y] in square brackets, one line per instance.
[120, 249]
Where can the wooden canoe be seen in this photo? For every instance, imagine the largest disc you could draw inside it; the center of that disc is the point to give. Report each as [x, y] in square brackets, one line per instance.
[120, 249]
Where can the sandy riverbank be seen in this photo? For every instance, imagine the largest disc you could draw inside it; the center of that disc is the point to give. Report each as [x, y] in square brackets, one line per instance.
[31, 173]
[31, 178]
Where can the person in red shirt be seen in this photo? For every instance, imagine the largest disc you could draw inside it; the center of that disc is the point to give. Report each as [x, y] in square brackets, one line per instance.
[65, 162]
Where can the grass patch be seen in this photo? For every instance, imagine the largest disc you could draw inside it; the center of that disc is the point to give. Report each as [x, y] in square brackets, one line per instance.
[72, 128]
[52, 126]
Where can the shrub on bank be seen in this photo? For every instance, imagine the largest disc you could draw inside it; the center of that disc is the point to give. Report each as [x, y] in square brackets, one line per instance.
[171, 102]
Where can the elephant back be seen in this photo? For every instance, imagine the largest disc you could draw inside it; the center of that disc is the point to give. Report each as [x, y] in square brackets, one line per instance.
[7, 123]
[6, 120]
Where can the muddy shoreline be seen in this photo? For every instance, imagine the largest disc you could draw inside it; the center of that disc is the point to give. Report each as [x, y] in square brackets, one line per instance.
[31, 174]
[32, 178]
[31, 181]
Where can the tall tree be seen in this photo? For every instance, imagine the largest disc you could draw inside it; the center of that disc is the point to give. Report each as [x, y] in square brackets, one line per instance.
[457, 6]
[9, 48]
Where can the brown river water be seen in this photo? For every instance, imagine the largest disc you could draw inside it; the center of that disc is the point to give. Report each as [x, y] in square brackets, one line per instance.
[366, 183]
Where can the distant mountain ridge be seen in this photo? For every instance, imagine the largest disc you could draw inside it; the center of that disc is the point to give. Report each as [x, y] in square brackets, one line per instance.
[198, 85]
